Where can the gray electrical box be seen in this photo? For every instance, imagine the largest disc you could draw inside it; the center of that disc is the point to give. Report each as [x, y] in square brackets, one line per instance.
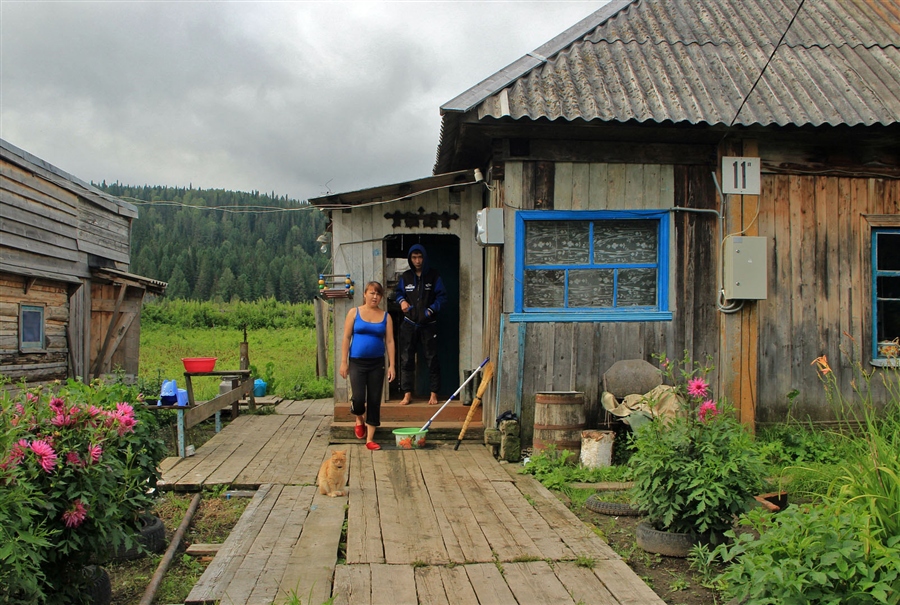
[745, 271]
[489, 226]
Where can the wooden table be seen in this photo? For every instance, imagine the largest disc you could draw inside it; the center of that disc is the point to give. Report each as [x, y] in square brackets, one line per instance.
[194, 413]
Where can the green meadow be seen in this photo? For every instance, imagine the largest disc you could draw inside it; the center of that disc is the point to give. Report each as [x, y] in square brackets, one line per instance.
[281, 343]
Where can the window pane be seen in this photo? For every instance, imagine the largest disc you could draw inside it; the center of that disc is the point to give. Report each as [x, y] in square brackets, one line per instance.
[591, 288]
[32, 326]
[556, 242]
[888, 287]
[888, 319]
[545, 288]
[888, 251]
[618, 242]
[637, 287]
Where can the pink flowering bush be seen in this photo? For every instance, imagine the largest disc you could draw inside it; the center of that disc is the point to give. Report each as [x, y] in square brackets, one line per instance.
[77, 465]
[695, 473]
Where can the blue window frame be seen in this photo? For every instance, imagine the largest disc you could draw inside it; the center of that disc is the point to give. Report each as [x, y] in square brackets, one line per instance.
[592, 266]
[885, 292]
[31, 327]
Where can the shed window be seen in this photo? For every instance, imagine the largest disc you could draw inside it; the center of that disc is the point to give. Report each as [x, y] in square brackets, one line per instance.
[31, 327]
[886, 291]
[592, 266]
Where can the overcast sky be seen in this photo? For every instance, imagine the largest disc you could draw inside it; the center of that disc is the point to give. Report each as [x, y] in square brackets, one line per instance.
[299, 98]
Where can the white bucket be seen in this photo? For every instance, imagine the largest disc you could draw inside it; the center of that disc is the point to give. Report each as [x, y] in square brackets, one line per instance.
[596, 448]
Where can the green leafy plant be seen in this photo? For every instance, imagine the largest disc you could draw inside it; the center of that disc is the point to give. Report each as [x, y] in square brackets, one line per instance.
[555, 470]
[807, 554]
[77, 464]
[694, 473]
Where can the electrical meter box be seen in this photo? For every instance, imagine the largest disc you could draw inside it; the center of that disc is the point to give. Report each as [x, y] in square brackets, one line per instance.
[745, 270]
[489, 226]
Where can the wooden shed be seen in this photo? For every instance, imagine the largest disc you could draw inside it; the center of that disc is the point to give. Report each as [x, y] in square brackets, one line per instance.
[68, 305]
[720, 177]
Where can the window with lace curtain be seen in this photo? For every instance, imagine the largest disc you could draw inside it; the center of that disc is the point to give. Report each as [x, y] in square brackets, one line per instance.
[592, 266]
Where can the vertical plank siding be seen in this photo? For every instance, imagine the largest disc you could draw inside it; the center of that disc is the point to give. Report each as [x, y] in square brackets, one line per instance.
[819, 288]
[818, 285]
[360, 251]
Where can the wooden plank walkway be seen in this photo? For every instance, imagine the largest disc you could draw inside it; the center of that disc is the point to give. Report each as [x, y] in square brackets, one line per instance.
[428, 526]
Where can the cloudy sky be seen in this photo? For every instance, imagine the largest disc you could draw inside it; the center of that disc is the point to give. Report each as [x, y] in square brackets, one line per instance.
[299, 98]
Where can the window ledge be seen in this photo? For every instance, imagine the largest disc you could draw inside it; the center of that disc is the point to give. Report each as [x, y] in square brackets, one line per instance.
[893, 362]
[591, 316]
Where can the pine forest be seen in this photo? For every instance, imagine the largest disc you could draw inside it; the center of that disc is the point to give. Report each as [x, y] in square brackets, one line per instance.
[218, 245]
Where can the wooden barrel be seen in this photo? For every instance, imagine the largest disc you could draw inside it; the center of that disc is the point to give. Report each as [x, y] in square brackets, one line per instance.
[559, 420]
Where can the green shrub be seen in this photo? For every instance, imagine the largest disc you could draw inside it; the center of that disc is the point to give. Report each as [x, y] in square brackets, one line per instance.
[557, 469]
[810, 554]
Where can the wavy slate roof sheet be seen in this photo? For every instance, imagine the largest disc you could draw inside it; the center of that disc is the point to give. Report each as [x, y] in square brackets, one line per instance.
[695, 61]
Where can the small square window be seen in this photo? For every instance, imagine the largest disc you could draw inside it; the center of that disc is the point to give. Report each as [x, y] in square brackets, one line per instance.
[31, 327]
[592, 266]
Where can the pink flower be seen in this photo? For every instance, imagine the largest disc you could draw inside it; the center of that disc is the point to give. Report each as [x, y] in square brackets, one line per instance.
[122, 418]
[707, 408]
[20, 409]
[57, 405]
[16, 453]
[697, 387]
[94, 410]
[62, 419]
[73, 459]
[75, 515]
[46, 455]
[31, 398]
[94, 453]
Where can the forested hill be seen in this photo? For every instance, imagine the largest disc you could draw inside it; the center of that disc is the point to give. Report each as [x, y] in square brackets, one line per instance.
[224, 245]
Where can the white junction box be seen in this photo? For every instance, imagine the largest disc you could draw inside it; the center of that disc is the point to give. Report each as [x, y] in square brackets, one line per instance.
[745, 268]
[489, 226]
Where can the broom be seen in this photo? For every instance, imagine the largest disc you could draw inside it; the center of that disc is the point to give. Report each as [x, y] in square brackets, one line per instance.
[486, 374]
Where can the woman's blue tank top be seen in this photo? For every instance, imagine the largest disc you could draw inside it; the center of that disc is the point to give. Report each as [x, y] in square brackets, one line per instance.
[368, 338]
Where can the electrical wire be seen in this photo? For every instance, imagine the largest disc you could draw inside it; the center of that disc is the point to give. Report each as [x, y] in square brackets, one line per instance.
[228, 209]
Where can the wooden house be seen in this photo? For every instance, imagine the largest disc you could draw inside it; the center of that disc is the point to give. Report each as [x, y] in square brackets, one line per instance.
[720, 177]
[68, 305]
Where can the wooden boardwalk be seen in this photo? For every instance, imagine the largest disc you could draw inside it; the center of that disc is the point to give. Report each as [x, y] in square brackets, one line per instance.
[428, 526]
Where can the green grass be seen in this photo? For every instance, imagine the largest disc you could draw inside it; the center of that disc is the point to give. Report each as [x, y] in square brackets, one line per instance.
[290, 351]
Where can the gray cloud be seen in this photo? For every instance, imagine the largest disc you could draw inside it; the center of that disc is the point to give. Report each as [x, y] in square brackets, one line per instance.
[292, 97]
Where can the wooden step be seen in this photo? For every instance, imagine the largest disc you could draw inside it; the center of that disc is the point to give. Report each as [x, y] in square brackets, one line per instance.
[342, 432]
[418, 411]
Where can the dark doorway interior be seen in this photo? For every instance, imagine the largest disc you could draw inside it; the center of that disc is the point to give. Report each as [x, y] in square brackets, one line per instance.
[443, 255]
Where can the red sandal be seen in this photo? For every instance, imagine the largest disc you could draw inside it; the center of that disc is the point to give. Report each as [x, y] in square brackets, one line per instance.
[360, 430]
[373, 446]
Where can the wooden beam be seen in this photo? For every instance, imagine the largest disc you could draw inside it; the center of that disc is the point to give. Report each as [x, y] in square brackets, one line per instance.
[202, 411]
[98, 363]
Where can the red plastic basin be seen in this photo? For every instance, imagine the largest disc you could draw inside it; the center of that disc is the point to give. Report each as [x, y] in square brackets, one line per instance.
[199, 364]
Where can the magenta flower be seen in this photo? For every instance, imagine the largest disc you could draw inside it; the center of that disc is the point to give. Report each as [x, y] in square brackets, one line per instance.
[58, 405]
[46, 455]
[31, 398]
[94, 453]
[73, 459]
[62, 419]
[16, 453]
[697, 387]
[707, 408]
[20, 409]
[75, 515]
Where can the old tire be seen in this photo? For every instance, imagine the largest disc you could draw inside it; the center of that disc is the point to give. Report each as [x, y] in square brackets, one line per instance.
[614, 509]
[152, 538]
[99, 587]
[669, 544]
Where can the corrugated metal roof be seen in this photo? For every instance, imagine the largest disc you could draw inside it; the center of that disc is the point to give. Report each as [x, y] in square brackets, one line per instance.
[695, 61]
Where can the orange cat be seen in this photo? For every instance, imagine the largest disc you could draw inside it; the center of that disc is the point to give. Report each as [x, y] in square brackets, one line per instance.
[331, 474]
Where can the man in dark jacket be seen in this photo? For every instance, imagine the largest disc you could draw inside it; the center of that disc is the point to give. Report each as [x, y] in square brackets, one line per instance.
[421, 295]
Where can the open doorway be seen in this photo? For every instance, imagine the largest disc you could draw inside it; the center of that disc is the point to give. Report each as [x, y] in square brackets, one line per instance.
[443, 255]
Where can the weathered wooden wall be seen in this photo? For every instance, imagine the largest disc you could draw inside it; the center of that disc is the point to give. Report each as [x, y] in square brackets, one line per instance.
[122, 348]
[54, 229]
[565, 356]
[47, 365]
[820, 298]
[360, 251]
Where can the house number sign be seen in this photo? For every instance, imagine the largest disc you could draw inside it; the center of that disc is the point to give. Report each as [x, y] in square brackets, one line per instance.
[740, 175]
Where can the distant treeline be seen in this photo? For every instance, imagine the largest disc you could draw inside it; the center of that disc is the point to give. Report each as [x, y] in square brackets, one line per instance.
[225, 245]
[258, 315]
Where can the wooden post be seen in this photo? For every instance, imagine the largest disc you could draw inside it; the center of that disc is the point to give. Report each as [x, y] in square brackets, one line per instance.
[245, 365]
[321, 313]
